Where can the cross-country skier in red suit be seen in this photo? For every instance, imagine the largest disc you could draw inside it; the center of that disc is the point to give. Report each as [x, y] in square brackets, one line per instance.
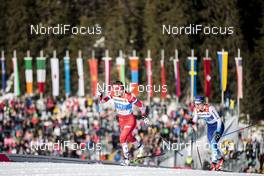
[127, 121]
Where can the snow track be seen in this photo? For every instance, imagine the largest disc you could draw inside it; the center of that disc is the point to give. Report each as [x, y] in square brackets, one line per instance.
[66, 169]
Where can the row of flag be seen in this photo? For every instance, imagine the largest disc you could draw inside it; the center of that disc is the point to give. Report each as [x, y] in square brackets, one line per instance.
[41, 61]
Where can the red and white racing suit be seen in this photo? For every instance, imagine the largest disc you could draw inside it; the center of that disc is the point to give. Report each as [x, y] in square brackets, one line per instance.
[127, 121]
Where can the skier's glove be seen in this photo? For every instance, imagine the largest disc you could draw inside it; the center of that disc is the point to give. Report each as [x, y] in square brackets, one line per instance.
[146, 121]
[191, 122]
[217, 136]
[99, 93]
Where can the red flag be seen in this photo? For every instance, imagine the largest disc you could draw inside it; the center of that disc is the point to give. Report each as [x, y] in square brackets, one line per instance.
[93, 65]
[163, 79]
[207, 76]
[149, 76]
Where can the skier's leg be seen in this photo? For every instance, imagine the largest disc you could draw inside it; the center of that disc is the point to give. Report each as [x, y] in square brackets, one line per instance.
[127, 124]
[122, 139]
[211, 128]
[131, 137]
[217, 156]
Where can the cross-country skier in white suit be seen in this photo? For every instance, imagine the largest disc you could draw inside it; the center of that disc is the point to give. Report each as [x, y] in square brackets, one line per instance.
[215, 129]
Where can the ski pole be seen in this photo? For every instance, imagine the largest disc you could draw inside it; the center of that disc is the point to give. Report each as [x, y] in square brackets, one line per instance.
[197, 149]
[240, 129]
[199, 156]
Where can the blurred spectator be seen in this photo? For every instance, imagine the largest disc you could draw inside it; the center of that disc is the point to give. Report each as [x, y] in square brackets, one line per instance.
[25, 122]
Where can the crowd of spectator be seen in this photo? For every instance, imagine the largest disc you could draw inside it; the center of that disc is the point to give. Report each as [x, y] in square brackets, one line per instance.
[247, 152]
[41, 127]
[82, 128]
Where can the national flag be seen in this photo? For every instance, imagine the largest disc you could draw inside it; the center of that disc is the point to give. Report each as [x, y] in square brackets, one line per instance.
[120, 63]
[54, 64]
[239, 70]
[29, 75]
[163, 79]
[93, 65]
[207, 76]
[16, 77]
[193, 75]
[223, 68]
[3, 65]
[79, 62]
[41, 74]
[66, 61]
[107, 64]
[133, 61]
[148, 62]
[177, 76]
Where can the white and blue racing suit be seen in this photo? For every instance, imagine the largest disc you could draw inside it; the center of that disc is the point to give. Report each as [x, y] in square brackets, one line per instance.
[214, 125]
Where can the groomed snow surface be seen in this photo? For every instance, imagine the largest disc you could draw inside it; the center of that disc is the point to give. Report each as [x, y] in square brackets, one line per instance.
[66, 169]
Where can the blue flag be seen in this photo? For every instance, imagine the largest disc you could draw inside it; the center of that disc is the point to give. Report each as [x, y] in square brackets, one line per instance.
[219, 58]
[67, 75]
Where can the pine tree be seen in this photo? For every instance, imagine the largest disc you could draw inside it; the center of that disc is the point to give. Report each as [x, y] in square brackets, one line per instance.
[3, 30]
[221, 14]
[254, 81]
[173, 13]
[16, 37]
[115, 30]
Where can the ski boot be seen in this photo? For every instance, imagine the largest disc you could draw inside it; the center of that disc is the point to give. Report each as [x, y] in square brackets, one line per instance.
[219, 164]
[125, 162]
[140, 150]
[213, 166]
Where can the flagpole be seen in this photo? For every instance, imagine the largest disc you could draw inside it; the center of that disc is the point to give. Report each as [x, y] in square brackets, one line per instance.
[206, 56]
[162, 60]
[54, 56]
[15, 81]
[176, 58]
[238, 103]
[93, 54]
[28, 55]
[80, 54]
[192, 76]
[120, 53]
[120, 67]
[148, 93]
[134, 55]
[41, 55]
[68, 57]
[3, 71]
[79, 62]
[222, 99]
[106, 70]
